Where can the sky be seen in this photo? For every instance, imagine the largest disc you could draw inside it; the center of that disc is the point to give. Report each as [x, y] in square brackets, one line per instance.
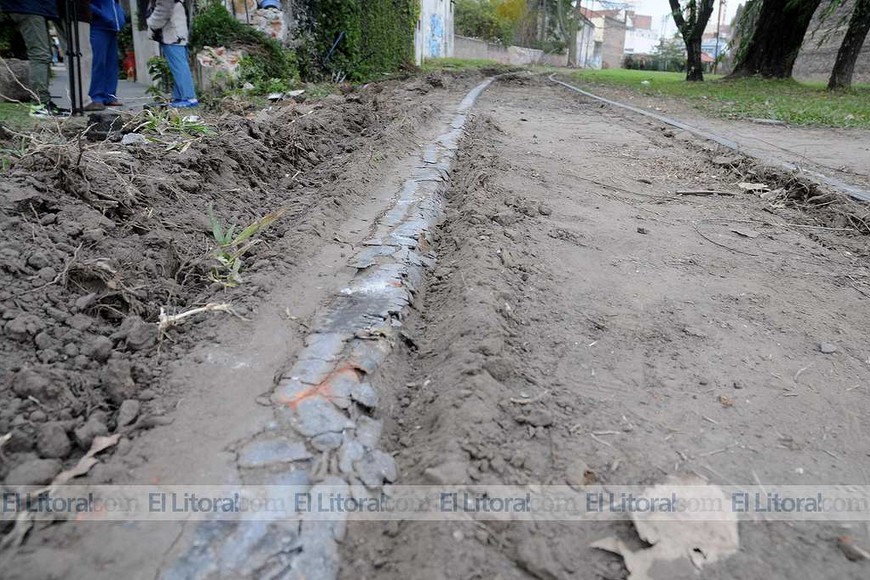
[660, 10]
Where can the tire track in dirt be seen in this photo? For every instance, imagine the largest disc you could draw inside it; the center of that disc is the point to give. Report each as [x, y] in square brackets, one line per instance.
[577, 329]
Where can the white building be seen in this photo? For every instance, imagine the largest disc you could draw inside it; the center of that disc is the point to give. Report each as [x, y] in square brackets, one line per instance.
[434, 35]
[639, 36]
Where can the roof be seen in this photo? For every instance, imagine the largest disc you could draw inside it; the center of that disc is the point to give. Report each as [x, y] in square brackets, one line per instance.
[642, 21]
[707, 58]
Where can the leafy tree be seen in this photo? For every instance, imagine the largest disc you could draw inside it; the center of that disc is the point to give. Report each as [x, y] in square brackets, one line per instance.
[482, 19]
[859, 25]
[691, 20]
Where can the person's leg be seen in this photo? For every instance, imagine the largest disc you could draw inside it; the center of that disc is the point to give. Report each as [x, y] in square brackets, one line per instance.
[112, 67]
[99, 46]
[176, 57]
[87, 58]
[34, 30]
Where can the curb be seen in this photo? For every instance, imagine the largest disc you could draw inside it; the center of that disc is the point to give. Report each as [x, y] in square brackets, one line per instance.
[852, 191]
[324, 436]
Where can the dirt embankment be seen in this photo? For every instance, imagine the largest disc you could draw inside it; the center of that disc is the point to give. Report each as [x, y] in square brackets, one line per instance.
[96, 239]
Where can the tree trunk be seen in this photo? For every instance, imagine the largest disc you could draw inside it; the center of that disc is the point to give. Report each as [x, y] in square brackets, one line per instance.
[777, 38]
[691, 27]
[694, 66]
[859, 25]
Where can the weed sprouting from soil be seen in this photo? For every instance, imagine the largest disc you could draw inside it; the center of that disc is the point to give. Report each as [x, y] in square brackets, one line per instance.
[231, 247]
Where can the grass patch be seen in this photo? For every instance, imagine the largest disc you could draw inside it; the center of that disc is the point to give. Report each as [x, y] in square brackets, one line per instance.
[463, 64]
[782, 100]
[15, 116]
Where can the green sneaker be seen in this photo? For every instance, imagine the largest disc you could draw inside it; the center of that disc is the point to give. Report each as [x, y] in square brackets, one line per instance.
[48, 111]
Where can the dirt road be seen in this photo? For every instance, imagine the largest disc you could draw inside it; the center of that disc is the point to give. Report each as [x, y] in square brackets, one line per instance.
[583, 324]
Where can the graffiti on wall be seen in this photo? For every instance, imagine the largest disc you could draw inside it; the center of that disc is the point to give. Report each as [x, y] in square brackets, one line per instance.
[436, 35]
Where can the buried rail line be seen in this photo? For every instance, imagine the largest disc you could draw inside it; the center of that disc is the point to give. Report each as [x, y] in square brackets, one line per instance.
[325, 434]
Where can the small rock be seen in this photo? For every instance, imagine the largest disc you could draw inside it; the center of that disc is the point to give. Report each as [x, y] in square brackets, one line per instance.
[578, 474]
[34, 472]
[117, 380]
[39, 260]
[827, 348]
[80, 321]
[47, 274]
[128, 412]
[24, 326]
[538, 418]
[376, 468]
[86, 433]
[544, 209]
[139, 334]
[31, 383]
[725, 160]
[43, 341]
[641, 230]
[100, 349]
[38, 416]
[52, 441]
[327, 441]
[134, 139]
[535, 557]
[84, 302]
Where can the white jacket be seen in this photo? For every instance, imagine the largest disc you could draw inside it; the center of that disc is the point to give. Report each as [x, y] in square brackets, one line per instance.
[168, 22]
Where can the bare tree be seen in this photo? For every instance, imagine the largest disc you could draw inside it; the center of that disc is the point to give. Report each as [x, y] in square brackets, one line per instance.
[859, 25]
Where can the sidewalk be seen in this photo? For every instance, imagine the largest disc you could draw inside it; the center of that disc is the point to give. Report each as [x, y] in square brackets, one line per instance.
[132, 94]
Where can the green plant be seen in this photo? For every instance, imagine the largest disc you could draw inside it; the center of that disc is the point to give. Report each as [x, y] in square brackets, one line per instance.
[161, 77]
[164, 121]
[231, 247]
[215, 26]
[355, 39]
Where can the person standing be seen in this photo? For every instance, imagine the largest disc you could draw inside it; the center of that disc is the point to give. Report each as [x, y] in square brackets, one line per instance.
[31, 17]
[108, 21]
[167, 22]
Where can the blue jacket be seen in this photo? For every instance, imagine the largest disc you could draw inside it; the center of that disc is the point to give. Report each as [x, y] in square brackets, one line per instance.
[108, 15]
[47, 8]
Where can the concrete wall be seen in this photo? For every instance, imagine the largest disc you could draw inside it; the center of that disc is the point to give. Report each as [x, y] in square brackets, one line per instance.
[515, 55]
[613, 43]
[143, 45]
[434, 35]
[814, 62]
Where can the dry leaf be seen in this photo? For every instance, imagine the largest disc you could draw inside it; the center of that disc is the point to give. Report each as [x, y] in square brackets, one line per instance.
[681, 541]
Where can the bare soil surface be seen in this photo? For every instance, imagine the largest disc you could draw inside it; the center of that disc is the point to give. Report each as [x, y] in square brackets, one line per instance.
[836, 152]
[584, 323]
[570, 277]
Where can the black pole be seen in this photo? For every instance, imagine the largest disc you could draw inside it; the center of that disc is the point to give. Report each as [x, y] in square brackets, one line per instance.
[74, 55]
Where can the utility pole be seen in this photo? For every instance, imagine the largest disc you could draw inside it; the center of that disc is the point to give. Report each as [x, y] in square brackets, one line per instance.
[719, 19]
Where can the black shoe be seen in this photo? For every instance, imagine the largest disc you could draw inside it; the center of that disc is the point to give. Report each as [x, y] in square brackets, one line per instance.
[48, 110]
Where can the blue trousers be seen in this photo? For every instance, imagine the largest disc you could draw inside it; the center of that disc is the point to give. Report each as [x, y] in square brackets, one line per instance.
[104, 71]
[182, 79]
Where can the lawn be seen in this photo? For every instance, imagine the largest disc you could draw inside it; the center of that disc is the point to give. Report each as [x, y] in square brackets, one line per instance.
[782, 100]
[15, 116]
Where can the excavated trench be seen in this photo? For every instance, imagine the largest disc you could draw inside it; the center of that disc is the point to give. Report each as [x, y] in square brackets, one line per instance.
[520, 301]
